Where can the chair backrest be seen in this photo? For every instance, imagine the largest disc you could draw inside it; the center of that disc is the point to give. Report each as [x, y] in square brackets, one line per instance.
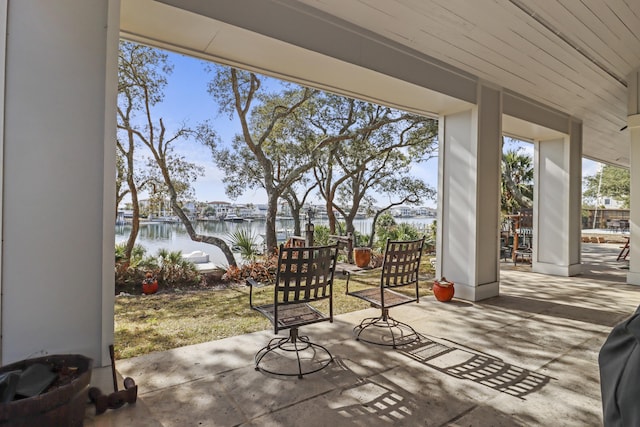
[305, 274]
[401, 263]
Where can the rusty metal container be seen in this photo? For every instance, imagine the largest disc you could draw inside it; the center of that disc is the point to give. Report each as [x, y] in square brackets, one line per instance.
[62, 405]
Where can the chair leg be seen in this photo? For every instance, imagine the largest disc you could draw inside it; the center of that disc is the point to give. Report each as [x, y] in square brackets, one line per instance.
[294, 343]
[400, 333]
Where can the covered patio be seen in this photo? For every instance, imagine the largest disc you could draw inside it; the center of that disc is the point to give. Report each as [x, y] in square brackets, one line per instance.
[527, 357]
[563, 75]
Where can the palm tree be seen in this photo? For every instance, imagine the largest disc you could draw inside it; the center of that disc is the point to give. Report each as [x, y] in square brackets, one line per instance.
[174, 267]
[517, 181]
[245, 241]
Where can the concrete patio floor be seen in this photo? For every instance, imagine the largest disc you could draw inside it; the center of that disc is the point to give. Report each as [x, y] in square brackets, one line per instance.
[525, 358]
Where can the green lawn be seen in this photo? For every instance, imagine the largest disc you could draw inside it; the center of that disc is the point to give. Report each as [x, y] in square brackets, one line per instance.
[159, 322]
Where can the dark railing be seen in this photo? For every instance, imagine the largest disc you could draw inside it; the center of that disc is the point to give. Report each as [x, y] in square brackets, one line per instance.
[345, 243]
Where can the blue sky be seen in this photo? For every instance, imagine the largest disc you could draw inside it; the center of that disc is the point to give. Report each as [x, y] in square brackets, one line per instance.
[187, 101]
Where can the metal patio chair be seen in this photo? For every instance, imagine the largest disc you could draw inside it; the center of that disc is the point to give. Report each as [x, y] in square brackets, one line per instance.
[304, 278]
[399, 270]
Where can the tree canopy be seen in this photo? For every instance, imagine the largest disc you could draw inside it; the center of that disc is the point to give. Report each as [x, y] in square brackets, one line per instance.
[373, 166]
[272, 150]
[354, 147]
[611, 182]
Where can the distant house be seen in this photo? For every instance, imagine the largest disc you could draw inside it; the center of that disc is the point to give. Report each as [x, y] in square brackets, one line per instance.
[245, 211]
[120, 217]
[191, 207]
[605, 218]
[320, 211]
[611, 203]
[220, 208]
[426, 211]
[609, 214]
[260, 211]
[403, 211]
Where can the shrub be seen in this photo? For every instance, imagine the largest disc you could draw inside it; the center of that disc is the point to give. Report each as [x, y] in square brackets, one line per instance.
[169, 267]
[138, 256]
[386, 228]
[263, 270]
[321, 235]
[175, 270]
[130, 273]
[430, 241]
[244, 240]
[360, 239]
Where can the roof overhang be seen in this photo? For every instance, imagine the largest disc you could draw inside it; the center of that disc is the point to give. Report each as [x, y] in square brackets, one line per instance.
[332, 49]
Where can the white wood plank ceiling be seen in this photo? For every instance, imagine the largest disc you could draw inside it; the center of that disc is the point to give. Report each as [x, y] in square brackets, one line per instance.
[571, 55]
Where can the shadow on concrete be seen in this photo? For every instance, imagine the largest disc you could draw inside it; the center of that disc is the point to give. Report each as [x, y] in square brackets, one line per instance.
[464, 363]
[564, 311]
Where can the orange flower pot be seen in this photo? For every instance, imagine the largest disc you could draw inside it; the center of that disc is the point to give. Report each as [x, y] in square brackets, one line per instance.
[362, 256]
[443, 290]
[149, 287]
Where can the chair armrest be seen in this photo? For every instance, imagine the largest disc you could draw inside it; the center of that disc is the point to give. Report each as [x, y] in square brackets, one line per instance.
[251, 283]
[348, 274]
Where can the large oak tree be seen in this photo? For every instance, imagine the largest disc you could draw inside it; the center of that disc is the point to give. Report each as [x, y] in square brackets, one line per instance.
[372, 167]
[353, 146]
[142, 79]
[275, 147]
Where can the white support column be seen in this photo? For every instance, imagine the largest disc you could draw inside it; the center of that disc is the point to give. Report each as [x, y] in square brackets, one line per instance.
[58, 178]
[557, 204]
[3, 52]
[633, 123]
[469, 197]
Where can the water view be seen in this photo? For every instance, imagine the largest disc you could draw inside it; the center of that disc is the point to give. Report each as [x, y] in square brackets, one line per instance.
[172, 236]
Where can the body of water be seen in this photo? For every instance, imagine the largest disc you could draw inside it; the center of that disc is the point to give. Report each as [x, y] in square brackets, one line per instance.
[173, 236]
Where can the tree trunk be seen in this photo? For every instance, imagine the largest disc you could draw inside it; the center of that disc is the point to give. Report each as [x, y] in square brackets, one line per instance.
[135, 220]
[297, 226]
[173, 195]
[231, 260]
[372, 235]
[353, 211]
[332, 218]
[349, 227]
[270, 225]
[294, 207]
[520, 198]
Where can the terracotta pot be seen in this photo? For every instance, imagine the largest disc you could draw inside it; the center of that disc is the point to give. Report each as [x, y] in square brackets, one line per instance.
[150, 287]
[362, 256]
[443, 290]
